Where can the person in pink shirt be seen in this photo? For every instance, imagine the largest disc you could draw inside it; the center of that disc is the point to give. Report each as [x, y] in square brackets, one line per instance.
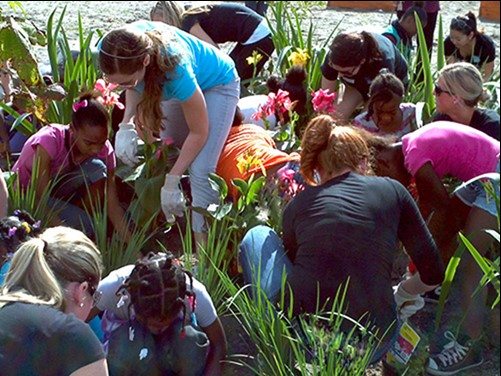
[428, 155]
[80, 162]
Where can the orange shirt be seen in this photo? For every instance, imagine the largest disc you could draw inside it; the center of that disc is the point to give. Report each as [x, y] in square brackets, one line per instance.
[249, 143]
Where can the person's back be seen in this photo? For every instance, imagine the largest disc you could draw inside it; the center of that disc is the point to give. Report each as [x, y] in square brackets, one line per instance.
[225, 22]
[453, 149]
[41, 340]
[342, 230]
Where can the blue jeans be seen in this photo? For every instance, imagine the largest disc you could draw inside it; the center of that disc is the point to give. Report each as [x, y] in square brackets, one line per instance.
[264, 261]
[221, 103]
[473, 192]
[70, 187]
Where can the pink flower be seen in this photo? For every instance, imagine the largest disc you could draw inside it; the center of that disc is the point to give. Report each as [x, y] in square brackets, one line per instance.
[323, 101]
[108, 96]
[276, 103]
[167, 141]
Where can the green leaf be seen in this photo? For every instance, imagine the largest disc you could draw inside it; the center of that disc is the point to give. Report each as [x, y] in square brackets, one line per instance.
[218, 184]
[241, 185]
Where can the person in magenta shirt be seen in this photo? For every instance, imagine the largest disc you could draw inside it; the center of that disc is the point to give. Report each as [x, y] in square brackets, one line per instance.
[428, 155]
[79, 160]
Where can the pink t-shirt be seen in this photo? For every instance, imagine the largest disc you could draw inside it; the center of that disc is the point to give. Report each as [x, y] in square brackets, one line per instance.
[52, 139]
[453, 149]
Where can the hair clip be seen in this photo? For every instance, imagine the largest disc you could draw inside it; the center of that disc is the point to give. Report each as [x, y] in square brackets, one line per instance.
[12, 232]
[78, 105]
[26, 227]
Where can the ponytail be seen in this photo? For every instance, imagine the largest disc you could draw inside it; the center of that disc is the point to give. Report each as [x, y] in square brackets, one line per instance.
[349, 49]
[42, 267]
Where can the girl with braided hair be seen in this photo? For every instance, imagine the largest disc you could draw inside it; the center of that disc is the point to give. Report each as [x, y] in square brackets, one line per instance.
[386, 114]
[159, 320]
[14, 230]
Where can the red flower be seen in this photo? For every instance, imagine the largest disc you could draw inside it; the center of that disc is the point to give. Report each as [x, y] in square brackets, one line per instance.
[323, 101]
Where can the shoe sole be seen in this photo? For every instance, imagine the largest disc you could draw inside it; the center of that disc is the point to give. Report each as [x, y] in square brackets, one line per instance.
[448, 373]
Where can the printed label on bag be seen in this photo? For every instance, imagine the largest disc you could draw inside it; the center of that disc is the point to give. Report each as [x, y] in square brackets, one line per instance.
[404, 346]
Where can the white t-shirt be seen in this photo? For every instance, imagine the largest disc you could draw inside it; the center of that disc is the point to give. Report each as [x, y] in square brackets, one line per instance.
[205, 311]
[250, 105]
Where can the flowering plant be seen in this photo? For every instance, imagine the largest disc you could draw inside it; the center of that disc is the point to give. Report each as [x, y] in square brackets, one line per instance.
[323, 101]
[109, 98]
[299, 57]
[277, 103]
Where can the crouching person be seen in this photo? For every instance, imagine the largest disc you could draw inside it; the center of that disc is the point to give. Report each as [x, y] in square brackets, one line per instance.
[159, 320]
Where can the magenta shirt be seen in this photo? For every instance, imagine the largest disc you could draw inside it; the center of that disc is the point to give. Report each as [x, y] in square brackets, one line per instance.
[453, 149]
[51, 138]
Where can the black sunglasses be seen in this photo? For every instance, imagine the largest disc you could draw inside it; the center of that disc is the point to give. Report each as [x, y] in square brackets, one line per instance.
[439, 90]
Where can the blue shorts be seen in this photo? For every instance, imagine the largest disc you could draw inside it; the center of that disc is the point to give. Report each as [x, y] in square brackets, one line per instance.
[474, 193]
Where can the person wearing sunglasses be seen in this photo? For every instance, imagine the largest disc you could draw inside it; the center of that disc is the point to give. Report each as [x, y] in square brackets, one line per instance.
[458, 91]
[159, 320]
[356, 59]
[47, 294]
[466, 43]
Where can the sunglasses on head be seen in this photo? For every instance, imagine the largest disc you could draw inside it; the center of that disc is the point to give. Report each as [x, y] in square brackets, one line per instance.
[439, 90]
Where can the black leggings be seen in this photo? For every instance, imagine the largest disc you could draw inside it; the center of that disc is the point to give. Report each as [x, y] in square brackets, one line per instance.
[241, 52]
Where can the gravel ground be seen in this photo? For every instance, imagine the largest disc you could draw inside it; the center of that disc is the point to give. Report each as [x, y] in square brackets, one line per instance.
[105, 15]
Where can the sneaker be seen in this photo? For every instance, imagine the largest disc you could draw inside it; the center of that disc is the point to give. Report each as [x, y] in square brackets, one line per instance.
[454, 357]
[433, 296]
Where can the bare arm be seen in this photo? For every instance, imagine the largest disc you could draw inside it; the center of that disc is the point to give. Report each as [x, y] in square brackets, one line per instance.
[432, 194]
[4, 196]
[115, 211]
[197, 31]
[488, 69]
[328, 84]
[132, 99]
[217, 352]
[43, 160]
[350, 101]
[99, 368]
[195, 113]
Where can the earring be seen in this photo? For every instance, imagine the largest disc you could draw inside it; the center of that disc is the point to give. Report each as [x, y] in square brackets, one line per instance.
[81, 304]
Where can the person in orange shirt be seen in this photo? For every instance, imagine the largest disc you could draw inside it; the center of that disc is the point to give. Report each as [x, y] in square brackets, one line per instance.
[249, 150]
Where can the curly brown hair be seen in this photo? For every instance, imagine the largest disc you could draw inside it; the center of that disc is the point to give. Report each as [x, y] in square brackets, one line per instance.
[331, 148]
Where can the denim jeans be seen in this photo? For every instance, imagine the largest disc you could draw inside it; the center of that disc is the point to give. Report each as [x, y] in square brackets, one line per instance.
[264, 261]
[89, 172]
[221, 103]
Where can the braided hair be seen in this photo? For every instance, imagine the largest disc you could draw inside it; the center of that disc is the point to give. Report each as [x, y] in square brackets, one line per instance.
[382, 89]
[157, 287]
[16, 229]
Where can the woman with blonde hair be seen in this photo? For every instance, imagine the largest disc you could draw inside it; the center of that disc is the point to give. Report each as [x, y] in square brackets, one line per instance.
[48, 293]
[458, 91]
[344, 225]
[178, 87]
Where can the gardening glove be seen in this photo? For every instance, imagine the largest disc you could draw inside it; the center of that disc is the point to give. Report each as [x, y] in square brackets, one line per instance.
[172, 198]
[407, 304]
[126, 142]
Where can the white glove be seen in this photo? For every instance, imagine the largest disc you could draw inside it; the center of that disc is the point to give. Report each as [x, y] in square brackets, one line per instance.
[407, 304]
[126, 142]
[172, 198]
